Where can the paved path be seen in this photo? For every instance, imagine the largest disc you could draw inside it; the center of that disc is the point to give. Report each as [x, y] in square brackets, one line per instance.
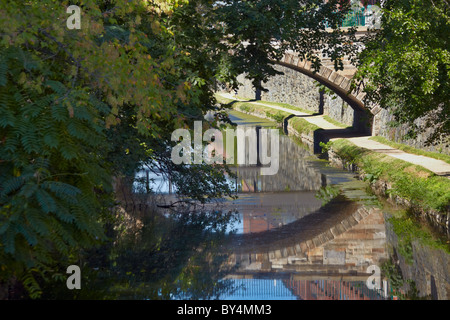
[439, 167]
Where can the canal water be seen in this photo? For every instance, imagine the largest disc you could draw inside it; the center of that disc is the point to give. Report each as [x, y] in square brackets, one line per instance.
[309, 232]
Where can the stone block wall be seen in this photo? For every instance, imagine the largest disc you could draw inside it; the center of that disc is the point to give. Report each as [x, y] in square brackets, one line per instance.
[382, 128]
[293, 88]
[338, 109]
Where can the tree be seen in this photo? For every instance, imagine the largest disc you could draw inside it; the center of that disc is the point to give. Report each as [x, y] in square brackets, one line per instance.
[250, 36]
[61, 91]
[405, 66]
[79, 106]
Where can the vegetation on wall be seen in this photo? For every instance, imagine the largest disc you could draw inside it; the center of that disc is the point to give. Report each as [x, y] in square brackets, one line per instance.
[405, 66]
[416, 184]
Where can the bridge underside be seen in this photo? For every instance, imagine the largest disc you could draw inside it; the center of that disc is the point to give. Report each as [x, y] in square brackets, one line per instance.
[339, 81]
[297, 86]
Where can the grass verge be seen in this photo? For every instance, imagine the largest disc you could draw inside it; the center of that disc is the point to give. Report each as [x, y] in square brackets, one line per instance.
[336, 123]
[408, 230]
[255, 109]
[303, 126]
[286, 106]
[414, 183]
[409, 149]
[270, 103]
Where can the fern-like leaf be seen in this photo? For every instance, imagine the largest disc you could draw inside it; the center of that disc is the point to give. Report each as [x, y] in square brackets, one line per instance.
[39, 222]
[3, 71]
[31, 285]
[11, 185]
[45, 200]
[29, 235]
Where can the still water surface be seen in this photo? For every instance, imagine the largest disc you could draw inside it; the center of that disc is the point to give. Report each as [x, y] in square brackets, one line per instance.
[309, 232]
[295, 236]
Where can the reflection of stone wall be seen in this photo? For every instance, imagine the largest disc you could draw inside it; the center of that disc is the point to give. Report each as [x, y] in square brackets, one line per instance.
[358, 247]
[362, 245]
[350, 245]
[294, 173]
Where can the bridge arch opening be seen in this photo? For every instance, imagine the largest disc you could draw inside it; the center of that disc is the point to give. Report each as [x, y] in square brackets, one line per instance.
[339, 85]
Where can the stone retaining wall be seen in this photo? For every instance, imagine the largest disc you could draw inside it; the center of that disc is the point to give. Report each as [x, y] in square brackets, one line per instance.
[430, 267]
[397, 134]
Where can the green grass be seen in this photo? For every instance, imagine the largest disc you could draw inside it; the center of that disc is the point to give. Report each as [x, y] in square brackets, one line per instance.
[250, 119]
[302, 126]
[275, 104]
[286, 106]
[222, 99]
[262, 111]
[238, 97]
[336, 123]
[255, 109]
[409, 149]
[408, 229]
[299, 142]
[414, 183]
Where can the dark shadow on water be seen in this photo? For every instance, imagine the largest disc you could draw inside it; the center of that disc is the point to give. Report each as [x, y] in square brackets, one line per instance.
[286, 123]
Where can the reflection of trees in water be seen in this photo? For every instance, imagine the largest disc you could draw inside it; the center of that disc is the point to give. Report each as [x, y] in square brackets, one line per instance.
[327, 193]
[175, 257]
[158, 256]
[154, 255]
[170, 257]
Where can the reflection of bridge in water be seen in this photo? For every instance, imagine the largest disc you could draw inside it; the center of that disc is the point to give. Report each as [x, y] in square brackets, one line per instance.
[323, 256]
[341, 238]
[301, 288]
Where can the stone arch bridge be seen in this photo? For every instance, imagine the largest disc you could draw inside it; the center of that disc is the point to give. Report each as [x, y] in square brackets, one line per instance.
[301, 91]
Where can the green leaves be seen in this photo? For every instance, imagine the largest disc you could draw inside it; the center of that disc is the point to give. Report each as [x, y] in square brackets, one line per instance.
[78, 106]
[48, 208]
[12, 184]
[405, 66]
[328, 193]
[3, 70]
